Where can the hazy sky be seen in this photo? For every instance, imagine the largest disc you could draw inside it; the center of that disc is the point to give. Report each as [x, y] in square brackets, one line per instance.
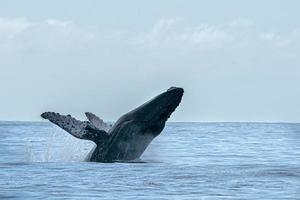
[236, 60]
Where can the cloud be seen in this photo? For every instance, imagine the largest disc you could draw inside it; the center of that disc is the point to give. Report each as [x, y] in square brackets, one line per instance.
[232, 67]
[172, 32]
[11, 27]
[49, 36]
[58, 36]
[234, 34]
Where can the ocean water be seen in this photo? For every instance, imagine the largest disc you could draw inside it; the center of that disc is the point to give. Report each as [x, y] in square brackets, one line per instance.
[187, 161]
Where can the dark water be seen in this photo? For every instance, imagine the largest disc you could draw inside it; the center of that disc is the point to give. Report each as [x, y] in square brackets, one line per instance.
[187, 161]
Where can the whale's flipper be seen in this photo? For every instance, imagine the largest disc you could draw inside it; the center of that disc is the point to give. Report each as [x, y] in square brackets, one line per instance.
[97, 122]
[79, 129]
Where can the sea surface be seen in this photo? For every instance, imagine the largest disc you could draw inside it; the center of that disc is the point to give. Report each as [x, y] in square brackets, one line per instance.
[187, 161]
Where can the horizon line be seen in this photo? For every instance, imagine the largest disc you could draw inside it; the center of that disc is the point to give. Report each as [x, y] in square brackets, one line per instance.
[265, 122]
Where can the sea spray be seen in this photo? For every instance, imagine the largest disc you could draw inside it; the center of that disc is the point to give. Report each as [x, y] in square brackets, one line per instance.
[56, 146]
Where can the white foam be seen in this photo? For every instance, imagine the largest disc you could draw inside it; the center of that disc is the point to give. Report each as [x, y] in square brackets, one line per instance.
[58, 147]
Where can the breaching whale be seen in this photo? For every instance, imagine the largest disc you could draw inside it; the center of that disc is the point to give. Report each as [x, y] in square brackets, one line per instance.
[128, 138]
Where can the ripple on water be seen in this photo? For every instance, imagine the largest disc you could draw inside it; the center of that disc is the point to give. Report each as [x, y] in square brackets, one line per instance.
[187, 161]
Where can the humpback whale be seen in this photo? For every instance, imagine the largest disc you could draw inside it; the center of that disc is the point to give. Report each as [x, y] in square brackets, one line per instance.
[128, 138]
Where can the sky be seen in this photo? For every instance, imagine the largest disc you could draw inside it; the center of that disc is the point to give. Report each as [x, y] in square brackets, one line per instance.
[237, 60]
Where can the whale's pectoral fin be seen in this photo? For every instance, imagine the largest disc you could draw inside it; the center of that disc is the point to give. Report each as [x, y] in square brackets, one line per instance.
[96, 135]
[79, 129]
[97, 122]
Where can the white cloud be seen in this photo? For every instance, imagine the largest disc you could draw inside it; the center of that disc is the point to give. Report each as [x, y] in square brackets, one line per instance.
[172, 32]
[12, 27]
[62, 36]
[224, 68]
[241, 23]
[48, 36]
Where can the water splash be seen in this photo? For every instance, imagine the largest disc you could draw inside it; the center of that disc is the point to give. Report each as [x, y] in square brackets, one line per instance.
[57, 147]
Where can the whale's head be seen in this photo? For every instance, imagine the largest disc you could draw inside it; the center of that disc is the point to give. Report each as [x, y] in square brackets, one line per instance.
[160, 108]
[154, 113]
[134, 131]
